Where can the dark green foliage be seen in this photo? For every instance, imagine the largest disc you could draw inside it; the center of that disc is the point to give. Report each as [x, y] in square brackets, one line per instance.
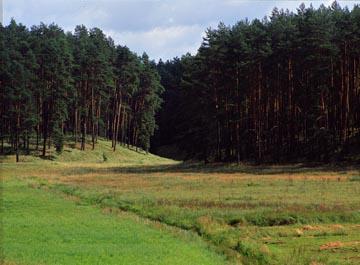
[54, 84]
[151, 89]
[58, 140]
[282, 89]
[53, 80]
[355, 178]
[17, 81]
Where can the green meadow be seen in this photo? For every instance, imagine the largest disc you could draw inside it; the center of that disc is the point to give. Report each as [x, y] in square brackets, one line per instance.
[45, 228]
[128, 207]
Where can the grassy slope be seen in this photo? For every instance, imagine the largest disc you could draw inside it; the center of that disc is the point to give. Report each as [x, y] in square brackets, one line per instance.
[103, 151]
[41, 227]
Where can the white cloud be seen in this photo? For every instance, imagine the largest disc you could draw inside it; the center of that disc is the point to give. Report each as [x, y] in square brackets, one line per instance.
[237, 2]
[90, 15]
[165, 42]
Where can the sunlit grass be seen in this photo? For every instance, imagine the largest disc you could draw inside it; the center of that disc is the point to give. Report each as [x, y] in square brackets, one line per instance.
[43, 228]
[284, 214]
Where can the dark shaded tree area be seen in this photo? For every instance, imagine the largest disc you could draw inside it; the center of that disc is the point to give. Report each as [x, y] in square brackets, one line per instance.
[282, 89]
[55, 84]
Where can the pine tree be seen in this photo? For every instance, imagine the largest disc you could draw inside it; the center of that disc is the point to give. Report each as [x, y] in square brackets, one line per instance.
[282, 88]
[17, 83]
[54, 80]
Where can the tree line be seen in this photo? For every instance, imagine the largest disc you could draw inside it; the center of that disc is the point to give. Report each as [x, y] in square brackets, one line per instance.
[79, 84]
[279, 89]
[282, 88]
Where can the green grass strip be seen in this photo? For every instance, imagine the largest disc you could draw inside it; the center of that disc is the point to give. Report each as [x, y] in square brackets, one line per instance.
[43, 228]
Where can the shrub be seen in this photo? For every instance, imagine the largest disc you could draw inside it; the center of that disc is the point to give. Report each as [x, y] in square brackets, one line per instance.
[104, 157]
[355, 178]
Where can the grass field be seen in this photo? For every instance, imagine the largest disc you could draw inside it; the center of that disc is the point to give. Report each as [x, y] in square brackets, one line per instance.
[43, 228]
[250, 214]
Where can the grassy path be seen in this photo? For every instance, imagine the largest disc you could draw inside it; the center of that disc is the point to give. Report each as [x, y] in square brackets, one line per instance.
[43, 228]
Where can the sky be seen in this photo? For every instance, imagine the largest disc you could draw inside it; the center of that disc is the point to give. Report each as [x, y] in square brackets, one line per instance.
[161, 28]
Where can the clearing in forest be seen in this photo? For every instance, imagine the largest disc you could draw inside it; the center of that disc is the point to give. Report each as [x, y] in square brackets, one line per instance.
[249, 214]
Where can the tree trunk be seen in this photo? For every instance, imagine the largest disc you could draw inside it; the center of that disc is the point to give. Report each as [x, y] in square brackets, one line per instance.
[259, 132]
[83, 136]
[92, 118]
[76, 126]
[27, 143]
[17, 133]
[238, 150]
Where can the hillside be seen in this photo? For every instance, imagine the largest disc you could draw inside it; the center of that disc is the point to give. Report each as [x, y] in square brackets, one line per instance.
[102, 153]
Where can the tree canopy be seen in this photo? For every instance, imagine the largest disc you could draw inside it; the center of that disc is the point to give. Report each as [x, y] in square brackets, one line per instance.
[55, 83]
[279, 89]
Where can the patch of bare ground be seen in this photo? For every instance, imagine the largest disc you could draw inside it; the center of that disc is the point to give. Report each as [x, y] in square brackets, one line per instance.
[316, 263]
[337, 226]
[338, 244]
[311, 227]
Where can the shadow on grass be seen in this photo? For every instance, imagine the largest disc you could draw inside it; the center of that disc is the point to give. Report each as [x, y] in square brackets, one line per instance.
[220, 168]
